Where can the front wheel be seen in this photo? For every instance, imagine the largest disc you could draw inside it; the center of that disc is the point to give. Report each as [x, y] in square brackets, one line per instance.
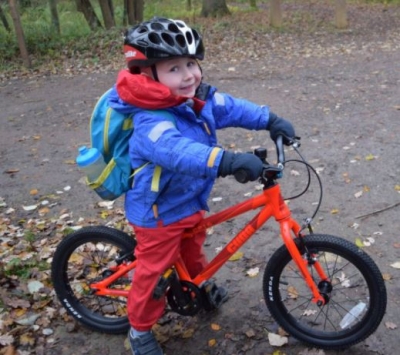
[87, 256]
[355, 293]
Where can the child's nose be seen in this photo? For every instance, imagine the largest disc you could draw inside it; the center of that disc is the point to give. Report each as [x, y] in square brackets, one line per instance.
[188, 73]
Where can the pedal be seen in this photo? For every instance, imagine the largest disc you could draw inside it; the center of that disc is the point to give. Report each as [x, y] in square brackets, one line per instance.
[163, 284]
[214, 296]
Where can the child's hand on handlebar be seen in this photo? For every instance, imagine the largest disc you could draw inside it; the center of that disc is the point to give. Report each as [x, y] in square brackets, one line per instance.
[278, 126]
[245, 166]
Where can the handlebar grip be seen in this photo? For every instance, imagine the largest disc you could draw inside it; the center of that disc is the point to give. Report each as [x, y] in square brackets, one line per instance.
[241, 176]
[279, 150]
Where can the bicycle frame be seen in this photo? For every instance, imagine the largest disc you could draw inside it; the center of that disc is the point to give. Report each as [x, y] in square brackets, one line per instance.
[272, 205]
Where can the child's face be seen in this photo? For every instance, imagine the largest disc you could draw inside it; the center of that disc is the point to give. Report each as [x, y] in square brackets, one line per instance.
[182, 75]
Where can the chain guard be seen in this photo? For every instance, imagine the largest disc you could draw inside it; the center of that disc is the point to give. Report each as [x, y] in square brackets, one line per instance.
[193, 306]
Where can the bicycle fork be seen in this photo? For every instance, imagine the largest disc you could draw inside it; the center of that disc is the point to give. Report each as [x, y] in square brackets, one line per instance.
[288, 226]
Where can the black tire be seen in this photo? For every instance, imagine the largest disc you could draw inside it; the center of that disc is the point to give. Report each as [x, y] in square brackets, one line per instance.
[82, 258]
[354, 279]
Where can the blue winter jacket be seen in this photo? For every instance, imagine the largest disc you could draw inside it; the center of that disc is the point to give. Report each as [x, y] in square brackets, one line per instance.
[177, 152]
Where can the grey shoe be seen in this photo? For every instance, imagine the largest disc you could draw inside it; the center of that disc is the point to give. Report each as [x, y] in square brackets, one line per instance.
[145, 344]
[214, 296]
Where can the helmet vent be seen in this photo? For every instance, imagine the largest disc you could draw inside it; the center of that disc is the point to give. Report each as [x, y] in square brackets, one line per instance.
[173, 28]
[154, 38]
[168, 39]
[157, 26]
[189, 37]
[181, 40]
[142, 29]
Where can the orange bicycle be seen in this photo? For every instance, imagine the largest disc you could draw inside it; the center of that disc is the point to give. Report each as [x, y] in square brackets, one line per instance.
[322, 289]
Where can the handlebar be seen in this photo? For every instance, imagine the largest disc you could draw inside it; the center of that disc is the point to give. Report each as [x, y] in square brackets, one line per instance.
[270, 171]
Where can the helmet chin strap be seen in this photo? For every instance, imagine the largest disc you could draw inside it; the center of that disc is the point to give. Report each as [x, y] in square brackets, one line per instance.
[154, 72]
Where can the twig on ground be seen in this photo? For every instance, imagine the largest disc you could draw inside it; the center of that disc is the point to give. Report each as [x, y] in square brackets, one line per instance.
[377, 211]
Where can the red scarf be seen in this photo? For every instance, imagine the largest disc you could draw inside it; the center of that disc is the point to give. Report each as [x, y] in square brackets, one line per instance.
[144, 92]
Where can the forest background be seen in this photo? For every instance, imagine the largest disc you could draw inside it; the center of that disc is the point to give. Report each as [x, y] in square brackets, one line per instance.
[37, 32]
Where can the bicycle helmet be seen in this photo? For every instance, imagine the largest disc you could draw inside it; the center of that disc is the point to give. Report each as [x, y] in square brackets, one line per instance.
[161, 38]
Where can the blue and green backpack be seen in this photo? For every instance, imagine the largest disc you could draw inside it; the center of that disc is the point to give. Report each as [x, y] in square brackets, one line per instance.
[110, 132]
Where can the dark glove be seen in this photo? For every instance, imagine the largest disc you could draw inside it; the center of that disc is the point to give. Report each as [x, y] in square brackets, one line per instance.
[279, 126]
[231, 163]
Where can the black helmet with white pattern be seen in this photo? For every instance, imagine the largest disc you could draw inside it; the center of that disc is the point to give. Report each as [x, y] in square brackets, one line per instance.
[161, 38]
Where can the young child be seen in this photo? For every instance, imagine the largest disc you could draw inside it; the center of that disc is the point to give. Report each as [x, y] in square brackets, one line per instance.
[174, 145]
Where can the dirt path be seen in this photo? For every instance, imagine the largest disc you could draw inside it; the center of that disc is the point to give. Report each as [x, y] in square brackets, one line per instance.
[345, 105]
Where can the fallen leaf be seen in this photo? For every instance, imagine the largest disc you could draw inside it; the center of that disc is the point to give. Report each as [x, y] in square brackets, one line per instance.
[359, 242]
[396, 265]
[309, 312]
[33, 192]
[237, 256]
[212, 342]
[370, 157]
[253, 272]
[29, 208]
[26, 339]
[334, 211]
[6, 339]
[277, 340]
[390, 325]
[11, 171]
[215, 326]
[358, 194]
[292, 292]
[250, 333]
[188, 333]
[387, 277]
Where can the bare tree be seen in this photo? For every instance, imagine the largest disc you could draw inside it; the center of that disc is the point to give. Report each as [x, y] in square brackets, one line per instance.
[4, 20]
[86, 8]
[19, 33]
[214, 8]
[133, 11]
[341, 14]
[275, 13]
[55, 22]
[107, 13]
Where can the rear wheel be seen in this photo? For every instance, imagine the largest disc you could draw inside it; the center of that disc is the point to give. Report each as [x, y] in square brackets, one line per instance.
[355, 293]
[86, 256]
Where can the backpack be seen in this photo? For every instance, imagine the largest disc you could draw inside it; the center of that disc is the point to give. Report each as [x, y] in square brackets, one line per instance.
[110, 132]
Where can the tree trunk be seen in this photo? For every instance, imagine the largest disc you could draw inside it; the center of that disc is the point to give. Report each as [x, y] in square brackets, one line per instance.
[340, 14]
[214, 8]
[19, 32]
[107, 15]
[253, 4]
[189, 5]
[86, 8]
[275, 13]
[55, 22]
[134, 9]
[4, 20]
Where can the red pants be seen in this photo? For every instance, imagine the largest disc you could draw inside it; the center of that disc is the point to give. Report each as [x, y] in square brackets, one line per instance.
[157, 249]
